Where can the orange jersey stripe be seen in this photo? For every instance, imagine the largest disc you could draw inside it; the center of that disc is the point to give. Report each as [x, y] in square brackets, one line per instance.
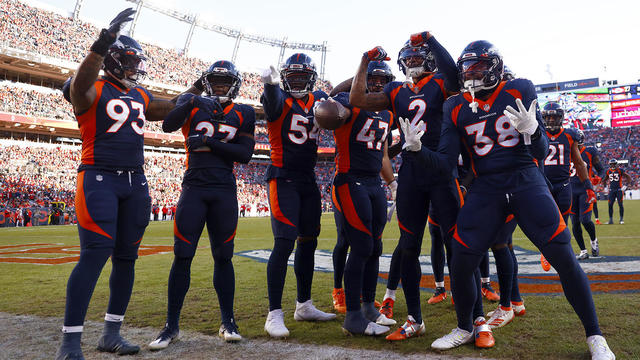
[84, 218]
[87, 125]
[177, 233]
[275, 203]
[349, 209]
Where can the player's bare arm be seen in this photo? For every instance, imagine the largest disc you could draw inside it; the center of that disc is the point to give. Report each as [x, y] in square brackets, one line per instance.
[387, 170]
[359, 96]
[581, 167]
[82, 91]
[344, 86]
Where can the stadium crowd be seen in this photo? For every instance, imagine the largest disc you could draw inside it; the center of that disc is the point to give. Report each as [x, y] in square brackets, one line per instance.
[43, 32]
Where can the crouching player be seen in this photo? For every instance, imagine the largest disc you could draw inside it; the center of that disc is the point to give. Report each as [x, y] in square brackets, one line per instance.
[217, 134]
[503, 143]
[360, 199]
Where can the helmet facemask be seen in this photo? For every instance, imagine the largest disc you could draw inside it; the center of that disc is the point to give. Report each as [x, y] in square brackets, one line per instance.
[221, 84]
[416, 61]
[553, 120]
[127, 66]
[298, 82]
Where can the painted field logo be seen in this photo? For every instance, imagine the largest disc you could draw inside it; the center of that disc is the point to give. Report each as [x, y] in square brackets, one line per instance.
[606, 274]
[54, 254]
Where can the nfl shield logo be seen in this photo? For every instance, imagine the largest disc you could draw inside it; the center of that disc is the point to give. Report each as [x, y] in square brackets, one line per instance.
[486, 107]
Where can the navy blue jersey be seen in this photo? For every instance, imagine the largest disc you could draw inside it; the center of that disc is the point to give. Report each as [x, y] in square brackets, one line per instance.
[209, 167]
[615, 178]
[112, 128]
[557, 164]
[360, 141]
[588, 155]
[293, 134]
[421, 101]
[494, 146]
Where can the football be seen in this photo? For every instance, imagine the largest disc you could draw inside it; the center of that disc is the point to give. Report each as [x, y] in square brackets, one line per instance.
[326, 115]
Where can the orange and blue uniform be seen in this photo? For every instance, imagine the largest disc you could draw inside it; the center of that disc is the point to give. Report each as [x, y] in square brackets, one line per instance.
[615, 190]
[507, 181]
[112, 198]
[557, 168]
[581, 209]
[361, 200]
[294, 197]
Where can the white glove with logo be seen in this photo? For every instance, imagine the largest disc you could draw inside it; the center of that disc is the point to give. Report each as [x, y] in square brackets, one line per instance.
[412, 134]
[270, 76]
[522, 119]
[393, 187]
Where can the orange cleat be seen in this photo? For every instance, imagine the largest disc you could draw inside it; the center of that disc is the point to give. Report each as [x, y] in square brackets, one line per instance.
[377, 304]
[483, 333]
[545, 264]
[438, 296]
[338, 301]
[409, 329]
[518, 308]
[387, 308]
[598, 222]
[489, 293]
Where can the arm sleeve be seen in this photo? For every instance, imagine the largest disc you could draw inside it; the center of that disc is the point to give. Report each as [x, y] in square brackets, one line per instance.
[249, 123]
[176, 117]
[239, 151]
[445, 159]
[273, 101]
[445, 64]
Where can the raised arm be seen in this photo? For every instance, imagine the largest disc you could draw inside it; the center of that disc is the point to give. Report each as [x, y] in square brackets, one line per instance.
[358, 96]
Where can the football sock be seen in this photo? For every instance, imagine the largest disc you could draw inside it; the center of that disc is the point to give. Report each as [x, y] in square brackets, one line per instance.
[437, 252]
[390, 294]
[411, 273]
[574, 283]
[303, 267]
[353, 279]
[591, 229]
[111, 329]
[611, 210]
[621, 210]
[369, 311]
[120, 285]
[224, 281]
[595, 209]
[439, 284]
[277, 271]
[477, 306]
[370, 279]
[465, 288]
[81, 283]
[355, 322]
[515, 287]
[395, 269]
[484, 268]
[339, 258]
[576, 228]
[179, 281]
[504, 268]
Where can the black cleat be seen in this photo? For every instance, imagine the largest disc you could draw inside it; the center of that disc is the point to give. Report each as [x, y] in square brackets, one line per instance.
[117, 345]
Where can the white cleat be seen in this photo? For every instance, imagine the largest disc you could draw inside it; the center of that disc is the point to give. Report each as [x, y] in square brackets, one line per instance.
[453, 339]
[372, 329]
[583, 255]
[229, 333]
[274, 325]
[383, 320]
[599, 348]
[166, 337]
[595, 249]
[307, 312]
[500, 317]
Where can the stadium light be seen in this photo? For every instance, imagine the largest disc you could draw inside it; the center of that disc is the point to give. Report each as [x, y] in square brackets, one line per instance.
[238, 35]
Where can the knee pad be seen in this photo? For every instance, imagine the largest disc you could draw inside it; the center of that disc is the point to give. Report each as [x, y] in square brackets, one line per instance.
[498, 247]
[222, 253]
[310, 240]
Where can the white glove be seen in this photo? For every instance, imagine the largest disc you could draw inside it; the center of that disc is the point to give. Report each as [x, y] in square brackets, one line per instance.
[412, 134]
[624, 188]
[270, 76]
[390, 211]
[393, 187]
[522, 119]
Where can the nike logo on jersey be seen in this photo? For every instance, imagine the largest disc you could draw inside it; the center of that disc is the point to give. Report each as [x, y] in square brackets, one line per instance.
[144, 183]
[357, 183]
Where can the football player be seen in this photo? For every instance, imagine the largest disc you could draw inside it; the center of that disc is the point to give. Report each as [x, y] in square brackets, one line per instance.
[433, 77]
[112, 197]
[614, 177]
[563, 151]
[499, 125]
[294, 197]
[581, 209]
[378, 75]
[218, 133]
[361, 203]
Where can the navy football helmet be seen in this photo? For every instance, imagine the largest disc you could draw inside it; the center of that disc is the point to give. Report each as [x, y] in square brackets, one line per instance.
[613, 163]
[480, 67]
[580, 137]
[414, 61]
[378, 75]
[553, 116]
[507, 74]
[298, 75]
[223, 80]
[125, 61]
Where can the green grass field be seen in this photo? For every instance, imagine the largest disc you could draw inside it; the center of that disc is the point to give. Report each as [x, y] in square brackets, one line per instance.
[550, 330]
